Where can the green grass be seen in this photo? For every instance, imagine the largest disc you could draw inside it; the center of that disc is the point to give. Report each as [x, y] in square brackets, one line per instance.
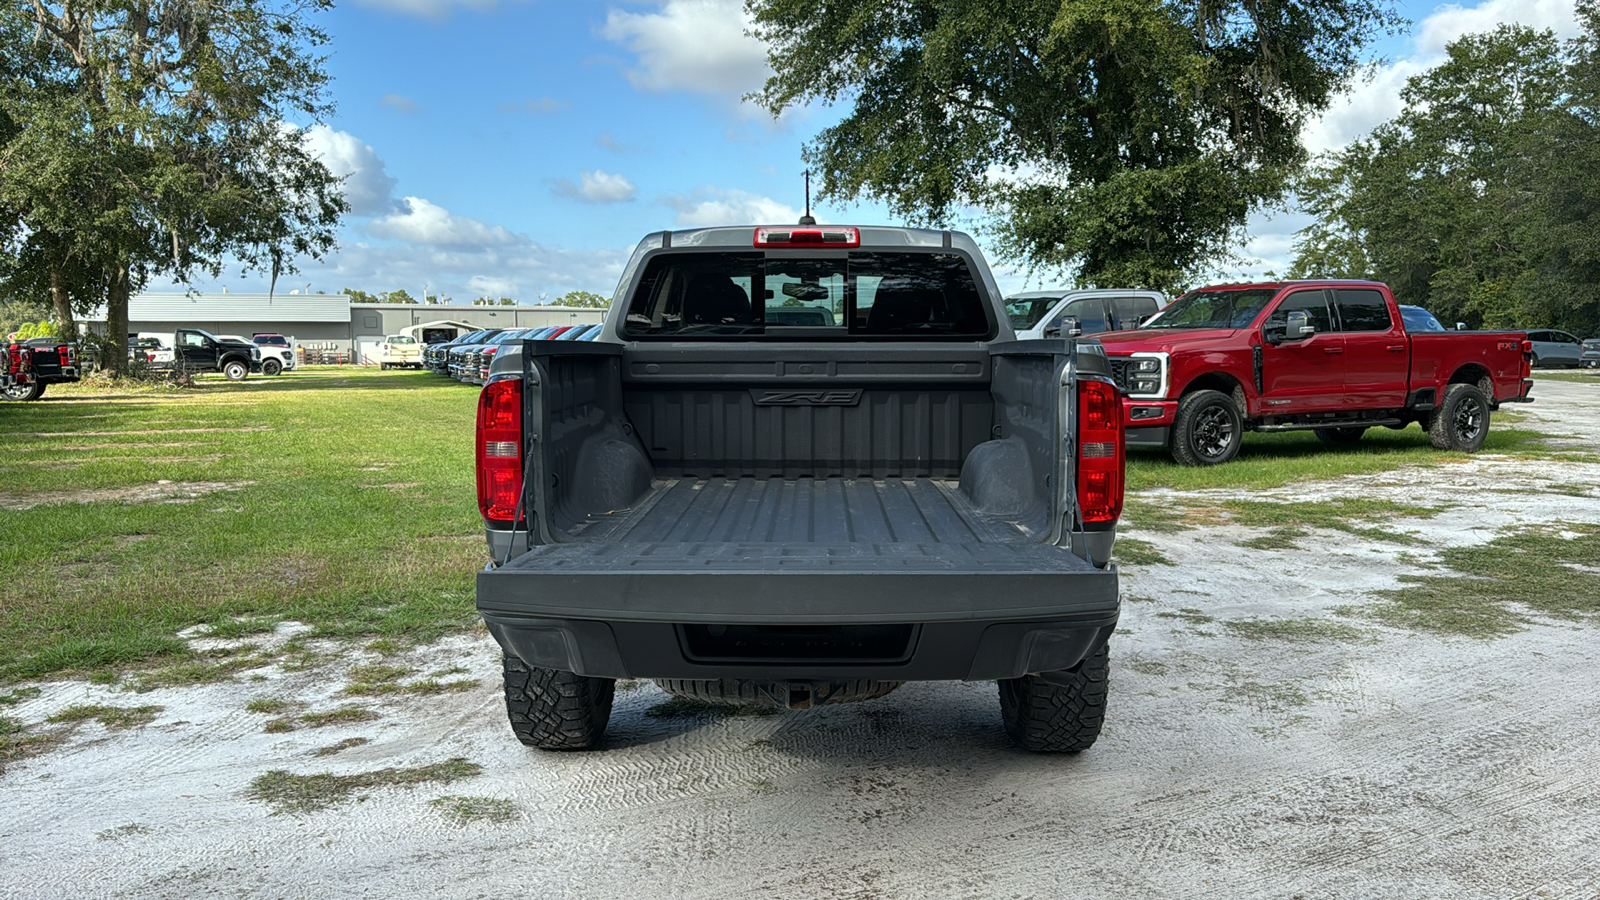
[109, 716]
[1582, 376]
[12, 698]
[1297, 631]
[1500, 587]
[1134, 552]
[1286, 538]
[1276, 460]
[383, 679]
[340, 746]
[353, 512]
[344, 715]
[463, 810]
[287, 792]
[1288, 520]
[1189, 615]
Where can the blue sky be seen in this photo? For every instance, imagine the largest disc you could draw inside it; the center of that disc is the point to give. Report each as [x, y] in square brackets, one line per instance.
[520, 147]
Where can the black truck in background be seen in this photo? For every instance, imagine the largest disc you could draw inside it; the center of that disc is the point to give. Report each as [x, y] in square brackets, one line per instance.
[201, 351]
[802, 465]
[28, 366]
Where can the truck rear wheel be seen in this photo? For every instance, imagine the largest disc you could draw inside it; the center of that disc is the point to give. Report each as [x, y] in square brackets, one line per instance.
[25, 391]
[235, 371]
[1462, 421]
[555, 710]
[1063, 714]
[1341, 436]
[1207, 429]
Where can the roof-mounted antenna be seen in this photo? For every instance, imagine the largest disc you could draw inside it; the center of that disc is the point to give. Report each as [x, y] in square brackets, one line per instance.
[807, 219]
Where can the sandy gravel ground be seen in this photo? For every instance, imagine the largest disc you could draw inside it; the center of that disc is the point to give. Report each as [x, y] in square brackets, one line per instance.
[1398, 764]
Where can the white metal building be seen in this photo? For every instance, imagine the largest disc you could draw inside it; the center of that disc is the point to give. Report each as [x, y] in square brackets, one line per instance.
[327, 322]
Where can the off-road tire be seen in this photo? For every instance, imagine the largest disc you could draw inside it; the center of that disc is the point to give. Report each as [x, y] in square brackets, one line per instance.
[20, 392]
[1045, 717]
[555, 710]
[1207, 430]
[271, 367]
[235, 370]
[749, 692]
[1341, 436]
[1461, 422]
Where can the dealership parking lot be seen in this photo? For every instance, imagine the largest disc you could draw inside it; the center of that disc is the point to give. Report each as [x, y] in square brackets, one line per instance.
[1360, 696]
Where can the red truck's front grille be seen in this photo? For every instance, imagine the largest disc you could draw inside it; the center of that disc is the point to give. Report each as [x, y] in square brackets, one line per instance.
[1119, 371]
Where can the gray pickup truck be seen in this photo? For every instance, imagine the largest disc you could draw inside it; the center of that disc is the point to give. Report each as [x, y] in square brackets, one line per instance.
[802, 465]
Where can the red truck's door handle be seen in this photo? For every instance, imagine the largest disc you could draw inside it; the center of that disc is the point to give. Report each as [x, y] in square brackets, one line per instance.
[1397, 348]
[1332, 350]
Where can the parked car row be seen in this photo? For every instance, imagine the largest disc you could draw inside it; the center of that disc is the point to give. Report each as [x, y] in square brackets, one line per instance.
[468, 357]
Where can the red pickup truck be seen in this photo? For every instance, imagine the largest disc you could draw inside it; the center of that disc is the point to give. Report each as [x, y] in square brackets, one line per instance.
[1329, 356]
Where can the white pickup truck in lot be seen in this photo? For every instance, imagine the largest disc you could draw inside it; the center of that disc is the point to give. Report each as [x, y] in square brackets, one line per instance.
[399, 351]
[274, 359]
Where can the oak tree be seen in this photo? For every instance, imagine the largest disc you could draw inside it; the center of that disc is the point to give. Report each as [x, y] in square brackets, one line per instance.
[152, 138]
[1125, 140]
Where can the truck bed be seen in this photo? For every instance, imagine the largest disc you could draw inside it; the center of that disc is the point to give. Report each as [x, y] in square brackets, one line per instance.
[805, 510]
[736, 549]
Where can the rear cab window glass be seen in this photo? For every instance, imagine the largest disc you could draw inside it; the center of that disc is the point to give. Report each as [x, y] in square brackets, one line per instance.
[1026, 312]
[1129, 310]
[832, 296]
[1362, 310]
[1091, 314]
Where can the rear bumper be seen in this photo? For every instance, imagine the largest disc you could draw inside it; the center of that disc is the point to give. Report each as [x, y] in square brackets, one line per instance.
[1522, 396]
[936, 651]
[968, 613]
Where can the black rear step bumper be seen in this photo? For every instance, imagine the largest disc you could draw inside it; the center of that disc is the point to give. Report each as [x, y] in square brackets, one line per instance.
[895, 612]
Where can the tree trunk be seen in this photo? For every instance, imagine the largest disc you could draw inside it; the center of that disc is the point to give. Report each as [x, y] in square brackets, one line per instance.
[115, 354]
[60, 297]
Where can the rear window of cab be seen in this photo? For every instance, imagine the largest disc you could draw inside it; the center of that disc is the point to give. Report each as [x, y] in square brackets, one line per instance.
[831, 296]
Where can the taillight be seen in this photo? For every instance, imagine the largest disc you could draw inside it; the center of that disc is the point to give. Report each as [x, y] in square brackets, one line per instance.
[66, 356]
[824, 236]
[500, 450]
[1100, 452]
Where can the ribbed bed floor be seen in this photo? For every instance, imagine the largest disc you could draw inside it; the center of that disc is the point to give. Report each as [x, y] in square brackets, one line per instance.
[807, 510]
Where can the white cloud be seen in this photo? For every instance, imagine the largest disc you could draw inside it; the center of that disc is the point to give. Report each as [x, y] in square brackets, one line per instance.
[367, 187]
[694, 45]
[428, 9]
[1368, 103]
[426, 224]
[711, 206]
[489, 286]
[1375, 99]
[1451, 21]
[399, 103]
[522, 270]
[596, 187]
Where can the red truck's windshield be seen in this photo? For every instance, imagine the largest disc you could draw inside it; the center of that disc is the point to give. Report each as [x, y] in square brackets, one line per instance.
[1213, 309]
